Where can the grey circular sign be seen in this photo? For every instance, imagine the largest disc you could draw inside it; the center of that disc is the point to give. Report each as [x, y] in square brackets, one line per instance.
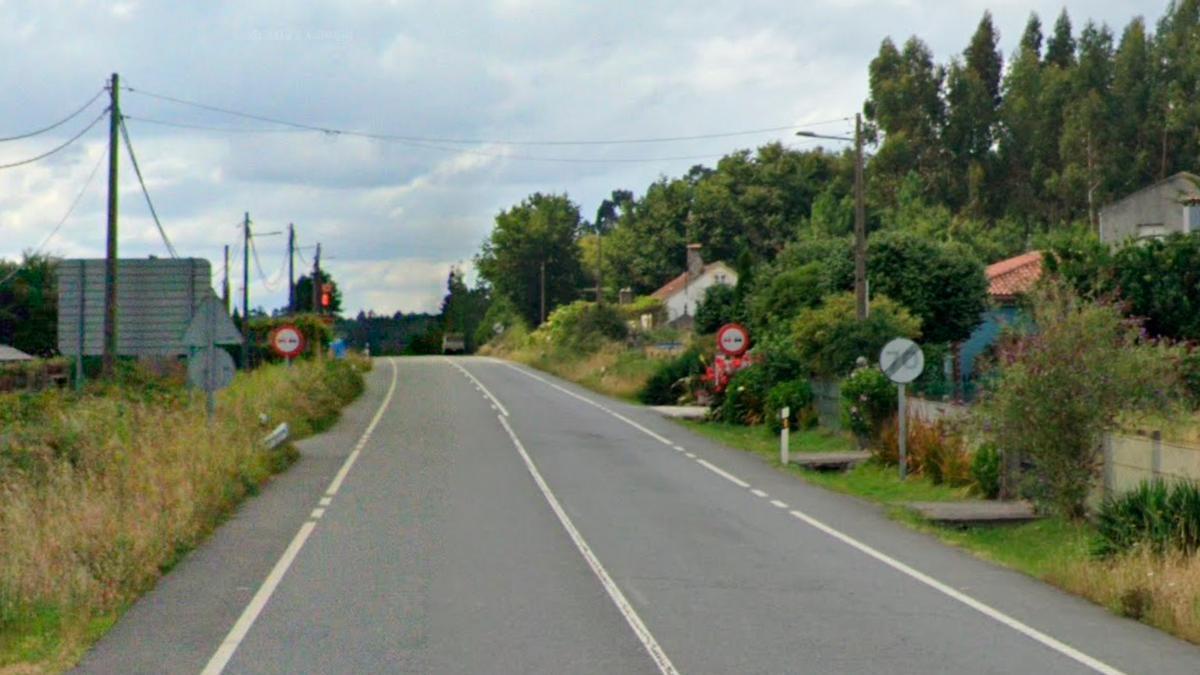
[902, 360]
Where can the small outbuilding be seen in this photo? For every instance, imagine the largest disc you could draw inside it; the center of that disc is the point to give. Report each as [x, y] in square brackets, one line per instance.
[9, 354]
[1169, 206]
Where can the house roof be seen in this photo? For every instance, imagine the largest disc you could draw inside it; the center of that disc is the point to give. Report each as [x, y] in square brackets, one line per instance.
[1010, 278]
[13, 354]
[680, 282]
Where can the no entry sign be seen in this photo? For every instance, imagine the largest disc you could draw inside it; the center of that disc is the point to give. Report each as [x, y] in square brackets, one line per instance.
[286, 341]
[733, 339]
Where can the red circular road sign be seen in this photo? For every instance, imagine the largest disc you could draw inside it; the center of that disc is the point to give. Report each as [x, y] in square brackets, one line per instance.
[286, 341]
[733, 339]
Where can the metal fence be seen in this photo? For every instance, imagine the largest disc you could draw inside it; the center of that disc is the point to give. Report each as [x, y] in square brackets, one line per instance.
[827, 399]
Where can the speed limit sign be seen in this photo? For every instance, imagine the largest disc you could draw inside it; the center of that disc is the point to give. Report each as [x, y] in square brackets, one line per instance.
[287, 341]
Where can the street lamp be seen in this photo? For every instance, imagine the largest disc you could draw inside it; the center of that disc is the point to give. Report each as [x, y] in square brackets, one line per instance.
[860, 215]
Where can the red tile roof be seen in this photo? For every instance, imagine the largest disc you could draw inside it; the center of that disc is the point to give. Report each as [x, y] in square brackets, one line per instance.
[678, 283]
[1010, 278]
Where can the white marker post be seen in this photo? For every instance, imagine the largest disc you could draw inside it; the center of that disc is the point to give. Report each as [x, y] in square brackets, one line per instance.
[902, 361]
[783, 436]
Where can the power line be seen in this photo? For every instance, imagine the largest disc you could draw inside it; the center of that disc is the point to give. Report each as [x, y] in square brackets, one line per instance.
[69, 141]
[262, 276]
[138, 171]
[201, 127]
[66, 216]
[463, 141]
[57, 124]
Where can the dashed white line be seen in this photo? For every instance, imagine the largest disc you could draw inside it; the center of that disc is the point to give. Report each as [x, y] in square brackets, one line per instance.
[758, 493]
[678, 447]
[326, 501]
[614, 592]
[479, 385]
[689, 455]
[723, 473]
[317, 513]
[249, 615]
[778, 504]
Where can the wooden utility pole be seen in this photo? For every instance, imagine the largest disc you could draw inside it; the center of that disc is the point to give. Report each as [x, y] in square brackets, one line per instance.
[543, 292]
[860, 225]
[246, 291]
[110, 255]
[225, 282]
[316, 281]
[291, 269]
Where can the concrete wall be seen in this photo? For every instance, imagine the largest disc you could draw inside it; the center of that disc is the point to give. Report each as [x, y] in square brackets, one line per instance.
[685, 301]
[1128, 460]
[1157, 204]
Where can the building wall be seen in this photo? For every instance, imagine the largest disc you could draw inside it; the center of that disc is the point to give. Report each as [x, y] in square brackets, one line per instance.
[685, 301]
[985, 336]
[1155, 205]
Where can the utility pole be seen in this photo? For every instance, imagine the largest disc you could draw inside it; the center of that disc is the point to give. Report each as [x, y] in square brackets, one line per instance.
[225, 282]
[246, 291]
[599, 267]
[291, 269]
[860, 224]
[316, 281]
[110, 255]
[543, 292]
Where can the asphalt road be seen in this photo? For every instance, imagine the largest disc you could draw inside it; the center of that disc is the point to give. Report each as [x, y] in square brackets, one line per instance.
[479, 517]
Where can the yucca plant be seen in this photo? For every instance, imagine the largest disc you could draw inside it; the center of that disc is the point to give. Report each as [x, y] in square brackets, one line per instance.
[1153, 515]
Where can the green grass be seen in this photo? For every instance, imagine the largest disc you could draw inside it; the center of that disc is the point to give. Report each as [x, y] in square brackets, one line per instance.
[882, 484]
[760, 440]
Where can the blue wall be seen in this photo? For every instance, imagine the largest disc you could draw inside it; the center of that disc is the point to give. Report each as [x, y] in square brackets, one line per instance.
[985, 336]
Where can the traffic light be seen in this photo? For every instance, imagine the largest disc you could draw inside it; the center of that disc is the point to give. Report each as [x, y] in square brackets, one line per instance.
[326, 295]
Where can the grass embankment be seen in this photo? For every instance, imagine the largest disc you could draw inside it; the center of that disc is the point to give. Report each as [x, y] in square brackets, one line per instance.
[101, 493]
[1162, 591]
[612, 369]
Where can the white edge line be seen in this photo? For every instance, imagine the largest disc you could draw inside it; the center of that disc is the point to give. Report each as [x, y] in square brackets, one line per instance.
[990, 612]
[614, 592]
[479, 385]
[249, 615]
[758, 493]
[778, 504]
[987, 610]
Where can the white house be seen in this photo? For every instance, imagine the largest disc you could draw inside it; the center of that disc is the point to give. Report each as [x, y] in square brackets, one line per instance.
[681, 294]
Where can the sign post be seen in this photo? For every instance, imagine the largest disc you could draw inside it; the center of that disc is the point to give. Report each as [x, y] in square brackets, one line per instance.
[784, 457]
[902, 361]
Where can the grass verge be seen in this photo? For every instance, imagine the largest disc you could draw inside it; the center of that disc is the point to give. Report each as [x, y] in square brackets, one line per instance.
[1161, 591]
[612, 369]
[101, 493]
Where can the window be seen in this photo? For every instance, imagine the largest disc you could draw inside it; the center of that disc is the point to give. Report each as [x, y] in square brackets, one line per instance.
[1151, 231]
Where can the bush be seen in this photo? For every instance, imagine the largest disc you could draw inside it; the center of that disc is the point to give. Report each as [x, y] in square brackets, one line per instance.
[745, 397]
[1153, 515]
[933, 451]
[830, 338]
[1062, 386]
[317, 336]
[778, 301]
[643, 304]
[584, 325]
[985, 470]
[663, 386]
[719, 306]
[797, 395]
[868, 402]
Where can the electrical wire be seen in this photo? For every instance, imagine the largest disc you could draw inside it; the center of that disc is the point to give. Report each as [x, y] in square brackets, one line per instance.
[138, 171]
[262, 276]
[69, 141]
[57, 124]
[201, 127]
[463, 141]
[78, 198]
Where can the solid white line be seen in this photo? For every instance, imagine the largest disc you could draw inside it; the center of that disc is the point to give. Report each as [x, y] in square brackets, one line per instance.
[225, 652]
[723, 473]
[229, 645]
[758, 493]
[778, 504]
[479, 385]
[614, 592]
[342, 473]
[317, 513]
[990, 612]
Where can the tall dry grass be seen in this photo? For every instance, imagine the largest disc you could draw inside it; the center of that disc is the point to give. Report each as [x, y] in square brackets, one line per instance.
[101, 493]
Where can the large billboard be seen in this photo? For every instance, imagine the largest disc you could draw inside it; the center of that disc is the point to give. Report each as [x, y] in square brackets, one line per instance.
[156, 299]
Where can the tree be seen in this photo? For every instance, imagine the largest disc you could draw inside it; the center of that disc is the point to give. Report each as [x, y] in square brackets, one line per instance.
[304, 294]
[463, 309]
[719, 306]
[973, 98]
[540, 232]
[1060, 49]
[29, 305]
[1020, 116]
[830, 338]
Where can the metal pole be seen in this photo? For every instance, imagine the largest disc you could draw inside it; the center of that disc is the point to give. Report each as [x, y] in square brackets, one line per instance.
[860, 224]
[903, 421]
[110, 255]
[291, 268]
[225, 282]
[246, 291]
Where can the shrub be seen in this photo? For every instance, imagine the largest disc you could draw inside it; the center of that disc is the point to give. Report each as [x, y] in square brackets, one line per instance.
[779, 300]
[663, 386]
[317, 335]
[985, 470]
[1062, 386]
[830, 338]
[643, 304]
[868, 402]
[745, 397]
[934, 451]
[1153, 515]
[719, 306]
[583, 325]
[796, 395]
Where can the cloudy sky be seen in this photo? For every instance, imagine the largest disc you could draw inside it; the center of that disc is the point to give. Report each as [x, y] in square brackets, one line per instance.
[393, 216]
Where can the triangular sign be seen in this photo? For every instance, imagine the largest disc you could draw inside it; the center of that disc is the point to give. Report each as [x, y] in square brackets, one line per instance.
[211, 319]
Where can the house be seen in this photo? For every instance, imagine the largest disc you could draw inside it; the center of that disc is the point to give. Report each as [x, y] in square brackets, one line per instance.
[9, 354]
[1008, 280]
[681, 294]
[1169, 206]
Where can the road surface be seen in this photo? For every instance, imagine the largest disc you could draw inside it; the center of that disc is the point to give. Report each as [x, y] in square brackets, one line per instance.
[472, 516]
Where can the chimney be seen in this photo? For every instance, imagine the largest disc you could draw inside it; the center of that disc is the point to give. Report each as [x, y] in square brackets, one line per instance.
[695, 264]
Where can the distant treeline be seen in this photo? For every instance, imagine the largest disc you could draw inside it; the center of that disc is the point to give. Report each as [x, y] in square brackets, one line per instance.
[386, 335]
